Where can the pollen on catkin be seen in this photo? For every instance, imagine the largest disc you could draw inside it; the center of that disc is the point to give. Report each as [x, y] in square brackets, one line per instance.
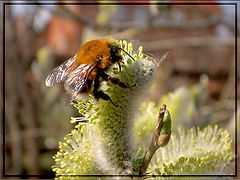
[206, 152]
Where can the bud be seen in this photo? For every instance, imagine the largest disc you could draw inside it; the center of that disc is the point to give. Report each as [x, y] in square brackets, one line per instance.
[165, 132]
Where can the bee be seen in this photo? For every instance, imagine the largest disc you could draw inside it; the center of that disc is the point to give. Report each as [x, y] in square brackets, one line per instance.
[84, 70]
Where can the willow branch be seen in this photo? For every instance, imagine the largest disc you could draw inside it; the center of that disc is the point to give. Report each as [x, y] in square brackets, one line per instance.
[158, 140]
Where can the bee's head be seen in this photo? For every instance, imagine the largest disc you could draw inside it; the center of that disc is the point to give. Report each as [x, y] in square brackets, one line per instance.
[118, 49]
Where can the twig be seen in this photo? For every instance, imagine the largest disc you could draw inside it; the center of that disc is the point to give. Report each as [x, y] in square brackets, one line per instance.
[13, 125]
[188, 42]
[67, 13]
[186, 24]
[14, 135]
[158, 140]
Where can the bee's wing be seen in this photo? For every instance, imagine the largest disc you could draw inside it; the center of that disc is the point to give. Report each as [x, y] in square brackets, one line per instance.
[76, 79]
[59, 73]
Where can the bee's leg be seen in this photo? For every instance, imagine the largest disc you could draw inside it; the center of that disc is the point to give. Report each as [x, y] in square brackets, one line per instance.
[119, 66]
[115, 80]
[96, 84]
[100, 94]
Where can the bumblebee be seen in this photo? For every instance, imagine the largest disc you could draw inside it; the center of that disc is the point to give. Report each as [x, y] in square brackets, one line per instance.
[84, 70]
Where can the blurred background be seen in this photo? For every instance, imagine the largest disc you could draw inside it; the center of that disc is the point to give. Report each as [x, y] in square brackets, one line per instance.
[198, 38]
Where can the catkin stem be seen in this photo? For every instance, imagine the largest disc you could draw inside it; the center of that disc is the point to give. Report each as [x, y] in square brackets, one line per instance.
[154, 143]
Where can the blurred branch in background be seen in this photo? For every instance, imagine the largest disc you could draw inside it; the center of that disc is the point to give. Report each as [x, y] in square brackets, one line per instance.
[153, 22]
[34, 116]
[189, 42]
[19, 95]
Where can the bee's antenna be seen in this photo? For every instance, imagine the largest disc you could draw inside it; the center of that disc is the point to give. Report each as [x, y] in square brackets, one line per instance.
[127, 53]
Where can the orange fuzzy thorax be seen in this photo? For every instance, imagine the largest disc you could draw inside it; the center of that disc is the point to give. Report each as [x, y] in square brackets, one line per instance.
[98, 51]
[93, 50]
